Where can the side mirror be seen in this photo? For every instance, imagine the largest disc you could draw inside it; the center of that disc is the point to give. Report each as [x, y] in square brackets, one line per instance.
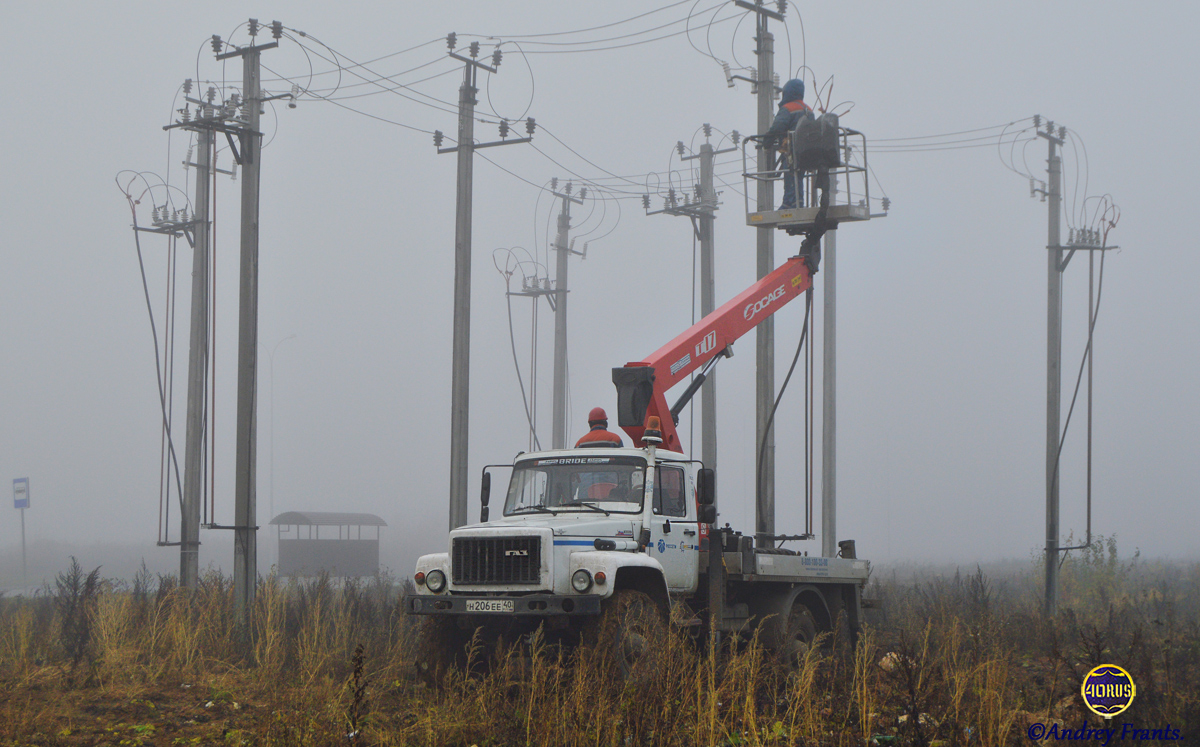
[485, 493]
[706, 487]
[708, 514]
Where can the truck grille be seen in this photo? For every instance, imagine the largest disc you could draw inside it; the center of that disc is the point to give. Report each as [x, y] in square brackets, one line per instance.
[497, 560]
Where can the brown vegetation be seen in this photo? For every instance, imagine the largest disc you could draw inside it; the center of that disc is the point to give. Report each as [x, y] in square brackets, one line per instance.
[966, 660]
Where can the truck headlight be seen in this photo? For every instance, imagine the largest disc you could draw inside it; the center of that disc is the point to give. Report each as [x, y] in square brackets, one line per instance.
[581, 580]
[435, 581]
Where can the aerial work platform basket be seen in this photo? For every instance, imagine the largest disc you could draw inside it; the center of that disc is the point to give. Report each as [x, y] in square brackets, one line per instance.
[825, 156]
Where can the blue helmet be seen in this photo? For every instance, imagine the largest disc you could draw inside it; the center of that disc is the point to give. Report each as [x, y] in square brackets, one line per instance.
[792, 90]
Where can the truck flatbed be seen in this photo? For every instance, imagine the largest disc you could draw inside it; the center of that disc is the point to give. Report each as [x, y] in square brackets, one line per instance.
[765, 566]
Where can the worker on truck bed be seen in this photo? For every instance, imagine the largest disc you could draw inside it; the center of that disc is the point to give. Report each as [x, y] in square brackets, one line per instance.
[791, 109]
[599, 435]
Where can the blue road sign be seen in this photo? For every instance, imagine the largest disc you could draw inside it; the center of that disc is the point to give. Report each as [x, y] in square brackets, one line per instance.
[21, 492]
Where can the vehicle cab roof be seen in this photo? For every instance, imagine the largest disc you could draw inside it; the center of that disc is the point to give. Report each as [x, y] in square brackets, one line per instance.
[625, 451]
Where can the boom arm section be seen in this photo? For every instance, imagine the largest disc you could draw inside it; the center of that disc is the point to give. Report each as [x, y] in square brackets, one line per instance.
[642, 385]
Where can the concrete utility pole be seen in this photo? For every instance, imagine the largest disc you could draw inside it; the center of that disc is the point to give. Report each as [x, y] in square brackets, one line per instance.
[702, 212]
[245, 528]
[1090, 241]
[1053, 359]
[193, 464]
[764, 510]
[829, 548]
[563, 252]
[460, 372]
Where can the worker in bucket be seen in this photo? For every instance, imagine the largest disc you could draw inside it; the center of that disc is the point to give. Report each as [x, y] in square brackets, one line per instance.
[791, 109]
[599, 435]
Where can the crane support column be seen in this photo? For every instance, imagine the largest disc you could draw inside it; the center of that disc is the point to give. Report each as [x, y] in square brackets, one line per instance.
[829, 548]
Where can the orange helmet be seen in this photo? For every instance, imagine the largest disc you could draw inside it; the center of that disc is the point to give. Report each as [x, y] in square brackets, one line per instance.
[597, 415]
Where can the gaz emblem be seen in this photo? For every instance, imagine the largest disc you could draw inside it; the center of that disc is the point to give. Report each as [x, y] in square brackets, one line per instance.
[708, 343]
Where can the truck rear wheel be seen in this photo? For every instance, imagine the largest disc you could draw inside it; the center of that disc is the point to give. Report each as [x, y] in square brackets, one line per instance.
[629, 632]
[799, 636]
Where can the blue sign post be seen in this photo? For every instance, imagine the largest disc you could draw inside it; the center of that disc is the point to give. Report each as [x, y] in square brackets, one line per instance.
[21, 501]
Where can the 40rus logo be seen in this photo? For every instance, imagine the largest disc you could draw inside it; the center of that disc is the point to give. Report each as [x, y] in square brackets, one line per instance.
[1108, 690]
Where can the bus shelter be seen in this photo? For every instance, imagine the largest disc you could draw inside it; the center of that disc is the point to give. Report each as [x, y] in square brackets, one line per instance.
[333, 542]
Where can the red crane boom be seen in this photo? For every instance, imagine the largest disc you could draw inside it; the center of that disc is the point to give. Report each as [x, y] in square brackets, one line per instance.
[642, 385]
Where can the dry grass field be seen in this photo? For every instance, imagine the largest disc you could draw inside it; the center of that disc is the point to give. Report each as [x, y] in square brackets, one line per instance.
[959, 660]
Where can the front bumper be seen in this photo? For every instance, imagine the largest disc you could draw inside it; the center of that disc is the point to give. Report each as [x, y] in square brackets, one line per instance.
[525, 606]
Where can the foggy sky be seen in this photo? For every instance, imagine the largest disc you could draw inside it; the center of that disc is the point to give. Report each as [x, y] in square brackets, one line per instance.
[941, 305]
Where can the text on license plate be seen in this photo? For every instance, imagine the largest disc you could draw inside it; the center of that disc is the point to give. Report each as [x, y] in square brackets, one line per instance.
[490, 605]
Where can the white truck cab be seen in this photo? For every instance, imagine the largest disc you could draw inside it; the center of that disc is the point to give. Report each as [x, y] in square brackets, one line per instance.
[574, 526]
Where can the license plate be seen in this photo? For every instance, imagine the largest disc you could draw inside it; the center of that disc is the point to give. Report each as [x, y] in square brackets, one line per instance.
[490, 605]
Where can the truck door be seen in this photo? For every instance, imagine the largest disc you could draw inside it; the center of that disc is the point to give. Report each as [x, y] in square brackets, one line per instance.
[674, 533]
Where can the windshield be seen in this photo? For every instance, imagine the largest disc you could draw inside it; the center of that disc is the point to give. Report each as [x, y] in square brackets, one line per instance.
[609, 484]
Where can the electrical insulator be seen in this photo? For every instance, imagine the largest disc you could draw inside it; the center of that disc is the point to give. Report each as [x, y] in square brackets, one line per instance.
[554, 182]
[671, 195]
[584, 253]
[569, 188]
[887, 204]
[295, 95]
[735, 136]
[696, 191]
[216, 44]
[782, 5]
[582, 192]
[728, 74]
[186, 113]
[233, 172]
[1049, 127]
[1062, 133]
[154, 216]
[645, 202]
[187, 161]
[503, 128]
[253, 27]
[451, 40]
[679, 147]
[1032, 191]
[1037, 121]
[530, 124]
[437, 138]
[1071, 237]
[776, 91]
[707, 130]
[496, 57]
[474, 50]
[235, 99]
[276, 30]
[187, 86]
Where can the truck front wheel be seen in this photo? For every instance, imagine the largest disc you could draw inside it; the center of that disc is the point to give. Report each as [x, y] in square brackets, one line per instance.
[440, 647]
[629, 632]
